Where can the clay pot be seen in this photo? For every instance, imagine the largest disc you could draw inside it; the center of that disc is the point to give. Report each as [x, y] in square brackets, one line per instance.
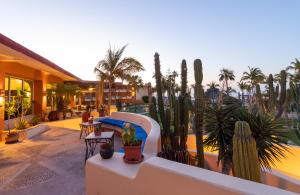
[133, 153]
[97, 133]
[12, 138]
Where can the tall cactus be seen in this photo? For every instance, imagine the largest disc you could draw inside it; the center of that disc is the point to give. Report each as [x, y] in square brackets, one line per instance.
[152, 109]
[199, 110]
[184, 112]
[282, 95]
[271, 94]
[160, 101]
[245, 158]
[183, 78]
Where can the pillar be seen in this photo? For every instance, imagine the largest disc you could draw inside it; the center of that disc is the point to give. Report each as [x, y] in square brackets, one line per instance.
[2, 104]
[40, 101]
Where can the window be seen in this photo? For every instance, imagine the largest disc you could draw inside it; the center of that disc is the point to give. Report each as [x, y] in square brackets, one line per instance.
[14, 86]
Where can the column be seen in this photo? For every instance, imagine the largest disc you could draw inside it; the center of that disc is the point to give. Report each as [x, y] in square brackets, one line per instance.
[2, 104]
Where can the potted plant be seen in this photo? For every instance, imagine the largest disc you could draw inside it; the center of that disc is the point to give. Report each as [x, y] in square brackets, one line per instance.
[97, 130]
[35, 120]
[102, 110]
[132, 145]
[12, 136]
[91, 119]
[106, 151]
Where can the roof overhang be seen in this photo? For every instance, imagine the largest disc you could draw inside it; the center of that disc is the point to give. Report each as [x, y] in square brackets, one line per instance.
[11, 51]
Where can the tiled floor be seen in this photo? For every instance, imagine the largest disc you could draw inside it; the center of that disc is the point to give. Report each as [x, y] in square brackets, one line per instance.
[51, 163]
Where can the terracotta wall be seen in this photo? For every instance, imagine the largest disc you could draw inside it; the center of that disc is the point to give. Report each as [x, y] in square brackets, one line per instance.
[40, 80]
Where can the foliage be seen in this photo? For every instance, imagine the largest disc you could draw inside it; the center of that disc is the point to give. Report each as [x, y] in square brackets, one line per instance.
[145, 99]
[245, 159]
[269, 135]
[225, 76]
[10, 109]
[113, 67]
[219, 121]
[21, 124]
[35, 120]
[129, 136]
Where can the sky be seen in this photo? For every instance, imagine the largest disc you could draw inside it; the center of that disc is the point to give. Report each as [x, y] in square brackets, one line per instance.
[230, 34]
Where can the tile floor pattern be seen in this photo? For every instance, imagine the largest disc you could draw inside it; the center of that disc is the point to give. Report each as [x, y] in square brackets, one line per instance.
[51, 163]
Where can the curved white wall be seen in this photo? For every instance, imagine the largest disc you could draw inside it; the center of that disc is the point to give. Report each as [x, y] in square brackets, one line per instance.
[152, 128]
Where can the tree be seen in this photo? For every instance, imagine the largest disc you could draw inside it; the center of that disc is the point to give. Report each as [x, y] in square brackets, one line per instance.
[295, 66]
[113, 67]
[136, 82]
[213, 85]
[255, 77]
[243, 86]
[225, 76]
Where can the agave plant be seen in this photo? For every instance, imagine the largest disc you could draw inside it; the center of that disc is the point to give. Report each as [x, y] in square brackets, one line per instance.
[267, 132]
[219, 123]
[269, 135]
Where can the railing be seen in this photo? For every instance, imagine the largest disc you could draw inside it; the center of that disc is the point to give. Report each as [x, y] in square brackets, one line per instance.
[137, 108]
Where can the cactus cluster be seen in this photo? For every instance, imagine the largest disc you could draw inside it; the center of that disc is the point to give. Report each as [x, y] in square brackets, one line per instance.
[245, 157]
[173, 118]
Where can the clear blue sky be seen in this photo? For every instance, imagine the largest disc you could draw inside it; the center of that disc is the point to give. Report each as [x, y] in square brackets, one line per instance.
[231, 34]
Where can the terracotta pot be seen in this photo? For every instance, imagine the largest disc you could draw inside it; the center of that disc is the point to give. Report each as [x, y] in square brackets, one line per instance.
[12, 138]
[133, 153]
[97, 133]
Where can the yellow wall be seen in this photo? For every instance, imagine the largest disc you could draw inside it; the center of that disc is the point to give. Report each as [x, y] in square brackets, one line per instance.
[289, 165]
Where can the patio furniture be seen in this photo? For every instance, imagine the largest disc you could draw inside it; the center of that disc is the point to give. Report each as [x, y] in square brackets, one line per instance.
[87, 127]
[91, 142]
[85, 116]
[95, 114]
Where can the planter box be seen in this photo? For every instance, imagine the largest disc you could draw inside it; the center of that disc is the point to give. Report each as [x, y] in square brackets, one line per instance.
[29, 132]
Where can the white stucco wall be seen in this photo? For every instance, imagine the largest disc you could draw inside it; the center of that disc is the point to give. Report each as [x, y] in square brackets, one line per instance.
[159, 176]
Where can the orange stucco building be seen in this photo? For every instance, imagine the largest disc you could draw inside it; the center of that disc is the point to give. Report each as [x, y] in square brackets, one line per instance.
[21, 68]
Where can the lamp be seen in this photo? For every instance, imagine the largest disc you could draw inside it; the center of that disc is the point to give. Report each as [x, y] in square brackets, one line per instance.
[2, 94]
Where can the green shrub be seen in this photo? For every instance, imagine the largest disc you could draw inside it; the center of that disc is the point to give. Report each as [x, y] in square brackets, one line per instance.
[35, 120]
[145, 99]
[21, 124]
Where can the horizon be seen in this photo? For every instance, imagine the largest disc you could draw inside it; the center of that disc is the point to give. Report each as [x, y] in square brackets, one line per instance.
[234, 35]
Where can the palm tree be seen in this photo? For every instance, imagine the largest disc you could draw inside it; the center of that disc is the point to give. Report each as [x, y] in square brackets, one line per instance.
[243, 86]
[255, 77]
[225, 76]
[295, 66]
[213, 85]
[113, 67]
[135, 82]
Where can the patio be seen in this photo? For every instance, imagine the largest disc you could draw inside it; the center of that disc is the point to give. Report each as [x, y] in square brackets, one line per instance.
[51, 163]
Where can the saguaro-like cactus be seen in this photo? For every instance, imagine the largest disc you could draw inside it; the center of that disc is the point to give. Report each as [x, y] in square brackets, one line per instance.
[245, 158]
[160, 101]
[199, 110]
[152, 109]
[271, 93]
[282, 94]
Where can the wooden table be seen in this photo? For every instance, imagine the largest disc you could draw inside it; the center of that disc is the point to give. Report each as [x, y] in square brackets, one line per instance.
[91, 142]
[87, 127]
